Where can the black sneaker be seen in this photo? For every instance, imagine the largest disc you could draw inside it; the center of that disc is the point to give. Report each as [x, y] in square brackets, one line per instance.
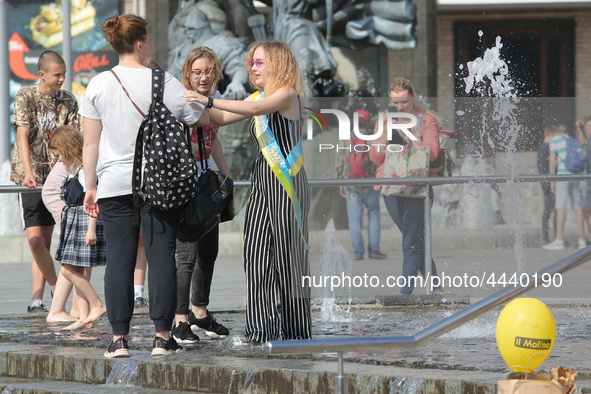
[162, 347]
[182, 333]
[140, 302]
[37, 309]
[211, 327]
[118, 349]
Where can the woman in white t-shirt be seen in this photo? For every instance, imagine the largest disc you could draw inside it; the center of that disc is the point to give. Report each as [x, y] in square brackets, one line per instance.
[111, 123]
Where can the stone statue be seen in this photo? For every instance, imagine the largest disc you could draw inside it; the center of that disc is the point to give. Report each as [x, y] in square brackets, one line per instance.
[293, 24]
[364, 23]
[191, 28]
[309, 27]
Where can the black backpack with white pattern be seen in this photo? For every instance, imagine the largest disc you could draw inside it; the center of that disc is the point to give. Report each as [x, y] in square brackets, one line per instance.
[170, 171]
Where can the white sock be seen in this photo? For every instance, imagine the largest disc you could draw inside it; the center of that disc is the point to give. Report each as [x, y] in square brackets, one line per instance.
[138, 290]
[36, 302]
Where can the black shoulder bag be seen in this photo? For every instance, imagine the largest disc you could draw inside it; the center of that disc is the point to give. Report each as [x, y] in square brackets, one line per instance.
[214, 202]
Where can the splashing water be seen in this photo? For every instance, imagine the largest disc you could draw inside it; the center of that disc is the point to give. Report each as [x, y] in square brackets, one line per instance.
[366, 81]
[249, 384]
[488, 77]
[124, 373]
[406, 385]
[334, 260]
[488, 74]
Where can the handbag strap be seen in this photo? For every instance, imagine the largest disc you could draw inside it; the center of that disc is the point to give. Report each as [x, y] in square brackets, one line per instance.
[75, 174]
[128, 96]
[201, 145]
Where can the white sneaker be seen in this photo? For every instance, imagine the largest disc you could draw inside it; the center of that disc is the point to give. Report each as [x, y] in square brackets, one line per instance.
[554, 245]
[582, 244]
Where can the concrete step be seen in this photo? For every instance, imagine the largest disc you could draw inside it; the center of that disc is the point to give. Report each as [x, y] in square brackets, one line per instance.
[34, 369]
[35, 386]
[47, 369]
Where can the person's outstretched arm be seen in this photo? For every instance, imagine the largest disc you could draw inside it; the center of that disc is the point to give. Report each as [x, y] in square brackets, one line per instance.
[234, 110]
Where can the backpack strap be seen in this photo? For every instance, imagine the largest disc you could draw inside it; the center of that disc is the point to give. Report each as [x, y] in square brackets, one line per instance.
[128, 96]
[158, 84]
[136, 180]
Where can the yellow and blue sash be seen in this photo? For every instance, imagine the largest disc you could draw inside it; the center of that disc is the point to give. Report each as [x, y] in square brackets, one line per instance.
[283, 168]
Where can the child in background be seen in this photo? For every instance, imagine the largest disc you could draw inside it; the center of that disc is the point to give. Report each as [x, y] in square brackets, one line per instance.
[82, 241]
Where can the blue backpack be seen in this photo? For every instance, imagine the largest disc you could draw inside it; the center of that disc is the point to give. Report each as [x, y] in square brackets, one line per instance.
[575, 160]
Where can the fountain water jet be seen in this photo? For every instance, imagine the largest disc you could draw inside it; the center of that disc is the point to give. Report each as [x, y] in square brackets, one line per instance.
[488, 77]
[334, 260]
[124, 373]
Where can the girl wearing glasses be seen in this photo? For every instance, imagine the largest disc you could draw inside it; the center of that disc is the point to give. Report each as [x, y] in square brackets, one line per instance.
[275, 227]
[195, 260]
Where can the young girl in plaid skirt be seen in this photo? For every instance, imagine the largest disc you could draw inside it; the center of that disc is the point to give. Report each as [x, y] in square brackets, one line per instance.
[82, 240]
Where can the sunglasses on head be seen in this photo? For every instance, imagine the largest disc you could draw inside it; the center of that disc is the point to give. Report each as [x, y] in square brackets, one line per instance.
[258, 62]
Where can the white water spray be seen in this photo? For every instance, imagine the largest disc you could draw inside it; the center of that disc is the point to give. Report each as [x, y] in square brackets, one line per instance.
[334, 260]
[488, 77]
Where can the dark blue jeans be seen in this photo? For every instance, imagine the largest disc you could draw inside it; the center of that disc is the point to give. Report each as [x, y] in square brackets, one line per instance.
[408, 214]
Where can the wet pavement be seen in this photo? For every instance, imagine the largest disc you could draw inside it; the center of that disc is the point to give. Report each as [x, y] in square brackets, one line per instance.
[468, 353]
[471, 347]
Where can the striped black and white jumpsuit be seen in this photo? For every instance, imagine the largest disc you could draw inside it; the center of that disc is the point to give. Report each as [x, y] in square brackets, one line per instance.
[275, 255]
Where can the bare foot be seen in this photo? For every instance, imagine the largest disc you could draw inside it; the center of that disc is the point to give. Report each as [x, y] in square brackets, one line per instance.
[74, 313]
[95, 313]
[59, 317]
[77, 325]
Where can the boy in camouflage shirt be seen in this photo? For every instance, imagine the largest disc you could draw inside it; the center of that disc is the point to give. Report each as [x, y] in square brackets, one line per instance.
[38, 110]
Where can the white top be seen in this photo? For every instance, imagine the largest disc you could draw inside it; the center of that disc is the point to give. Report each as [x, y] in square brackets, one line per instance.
[106, 101]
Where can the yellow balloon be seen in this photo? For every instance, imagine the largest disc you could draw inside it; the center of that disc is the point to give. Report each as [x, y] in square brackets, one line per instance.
[526, 332]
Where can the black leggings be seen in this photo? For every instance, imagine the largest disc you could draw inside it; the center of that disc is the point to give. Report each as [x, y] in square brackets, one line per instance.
[159, 231]
[196, 277]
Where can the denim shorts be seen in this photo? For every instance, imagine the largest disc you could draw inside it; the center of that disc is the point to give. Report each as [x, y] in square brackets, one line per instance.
[564, 189]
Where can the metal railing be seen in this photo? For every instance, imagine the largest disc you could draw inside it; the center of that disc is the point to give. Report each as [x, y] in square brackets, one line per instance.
[459, 318]
[388, 181]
